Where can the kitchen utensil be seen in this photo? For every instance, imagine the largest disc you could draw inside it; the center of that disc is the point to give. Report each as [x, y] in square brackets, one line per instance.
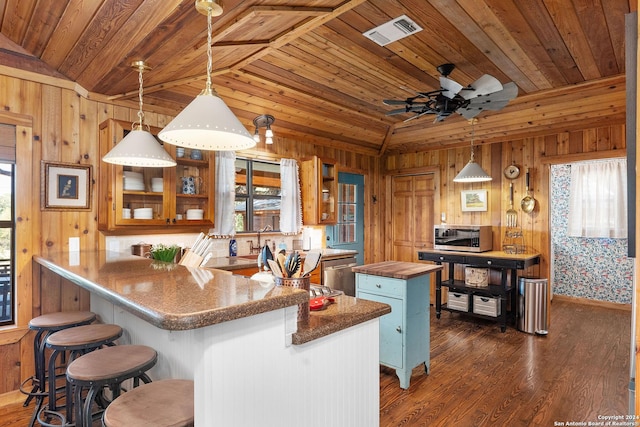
[528, 203]
[292, 264]
[512, 214]
[311, 262]
[281, 260]
[264, 257]
[275, 268]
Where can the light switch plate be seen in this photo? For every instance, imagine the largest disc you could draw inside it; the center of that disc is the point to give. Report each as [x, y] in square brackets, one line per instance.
[74, 244]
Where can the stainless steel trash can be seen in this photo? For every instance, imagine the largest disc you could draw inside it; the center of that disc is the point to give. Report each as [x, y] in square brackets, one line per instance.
[532, 306]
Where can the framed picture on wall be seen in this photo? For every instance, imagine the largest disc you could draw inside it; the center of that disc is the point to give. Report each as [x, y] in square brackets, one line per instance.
[474, 200]
[65, 186]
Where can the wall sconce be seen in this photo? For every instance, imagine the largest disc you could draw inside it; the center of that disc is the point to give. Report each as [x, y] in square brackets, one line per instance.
[264, 121]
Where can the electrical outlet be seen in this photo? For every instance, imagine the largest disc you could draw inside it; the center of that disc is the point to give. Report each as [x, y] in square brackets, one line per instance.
[74, 244]
[443, 217]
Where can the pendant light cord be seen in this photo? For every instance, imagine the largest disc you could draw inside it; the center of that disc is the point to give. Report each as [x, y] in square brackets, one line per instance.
[140, 82]
[209, 53]
[472, 136]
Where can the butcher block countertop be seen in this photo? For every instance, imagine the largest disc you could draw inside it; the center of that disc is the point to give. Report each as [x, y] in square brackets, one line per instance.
[397, 269]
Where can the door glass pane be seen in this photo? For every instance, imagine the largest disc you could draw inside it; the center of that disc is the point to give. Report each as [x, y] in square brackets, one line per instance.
[347, 213]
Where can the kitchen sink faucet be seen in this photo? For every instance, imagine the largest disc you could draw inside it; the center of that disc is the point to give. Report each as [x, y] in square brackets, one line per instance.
[256, 249]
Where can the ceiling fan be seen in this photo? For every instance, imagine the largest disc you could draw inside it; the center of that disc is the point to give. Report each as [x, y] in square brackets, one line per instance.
[486, 93]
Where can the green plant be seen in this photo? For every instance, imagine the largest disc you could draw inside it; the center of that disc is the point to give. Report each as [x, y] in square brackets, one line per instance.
[162, 252]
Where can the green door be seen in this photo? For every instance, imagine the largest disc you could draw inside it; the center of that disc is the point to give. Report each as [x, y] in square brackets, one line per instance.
[348, 233]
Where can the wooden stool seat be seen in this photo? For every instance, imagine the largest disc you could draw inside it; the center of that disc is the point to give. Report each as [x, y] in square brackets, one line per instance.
[107, 367]
[62, 320]
[76, 341]
[44, 326]
[165, 403]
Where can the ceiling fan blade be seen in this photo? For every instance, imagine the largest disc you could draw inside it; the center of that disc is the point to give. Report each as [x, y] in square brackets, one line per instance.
[394, 102]
[509, 92]
[469, 112]
[483, 86]
[420, 115]
[450, 88]
[413, 109]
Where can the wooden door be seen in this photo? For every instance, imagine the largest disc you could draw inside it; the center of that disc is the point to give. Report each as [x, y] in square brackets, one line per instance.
[412, 202]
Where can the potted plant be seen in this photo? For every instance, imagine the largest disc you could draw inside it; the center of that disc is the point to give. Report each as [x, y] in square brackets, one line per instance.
[163, 252]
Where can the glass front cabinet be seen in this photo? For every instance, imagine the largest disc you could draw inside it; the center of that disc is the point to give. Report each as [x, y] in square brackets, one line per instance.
[173, 199]
[319, 186]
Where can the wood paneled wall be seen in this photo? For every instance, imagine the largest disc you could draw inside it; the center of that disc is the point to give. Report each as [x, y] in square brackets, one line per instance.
[535, 154]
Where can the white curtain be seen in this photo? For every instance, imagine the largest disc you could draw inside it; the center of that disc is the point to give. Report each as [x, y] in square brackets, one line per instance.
[598, 199]
[290, 200]
[225, 193]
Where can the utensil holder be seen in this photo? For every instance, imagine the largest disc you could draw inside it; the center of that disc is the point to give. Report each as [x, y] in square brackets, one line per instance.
[190, 259]
[297, 282]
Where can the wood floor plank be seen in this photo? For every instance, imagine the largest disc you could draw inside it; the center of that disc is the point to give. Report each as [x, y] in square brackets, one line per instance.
[481, 377]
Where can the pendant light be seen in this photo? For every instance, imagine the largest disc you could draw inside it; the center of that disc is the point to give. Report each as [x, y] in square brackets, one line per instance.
[139, 147]
[472, 172]
[207, 123]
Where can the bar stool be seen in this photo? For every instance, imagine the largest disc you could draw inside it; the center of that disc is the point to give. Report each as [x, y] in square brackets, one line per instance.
[76, 342]
[107, 367]
[164, 403]
[44, 326]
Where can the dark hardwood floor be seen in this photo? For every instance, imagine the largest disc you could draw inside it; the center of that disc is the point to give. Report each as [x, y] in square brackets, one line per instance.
[482, 377]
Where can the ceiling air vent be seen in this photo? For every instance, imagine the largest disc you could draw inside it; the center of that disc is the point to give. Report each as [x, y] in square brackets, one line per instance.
[393, 30]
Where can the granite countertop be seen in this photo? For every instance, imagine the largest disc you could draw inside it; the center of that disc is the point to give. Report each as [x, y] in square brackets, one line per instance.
[169, 296]
[345, 312]
[397, 269]
[248, 261]
[175, 297]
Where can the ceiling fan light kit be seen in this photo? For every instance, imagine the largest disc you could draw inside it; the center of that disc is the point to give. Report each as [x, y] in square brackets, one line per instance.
[207, 123]
[139, 147]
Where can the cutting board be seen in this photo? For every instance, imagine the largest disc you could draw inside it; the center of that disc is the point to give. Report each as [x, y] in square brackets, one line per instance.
[397, 269]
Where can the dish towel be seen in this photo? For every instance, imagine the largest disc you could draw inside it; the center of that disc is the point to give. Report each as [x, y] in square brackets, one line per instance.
[290, 200]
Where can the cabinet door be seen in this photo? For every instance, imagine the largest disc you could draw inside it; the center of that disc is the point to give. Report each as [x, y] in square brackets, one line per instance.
[392, 330]
[319, 187]
[194, 188]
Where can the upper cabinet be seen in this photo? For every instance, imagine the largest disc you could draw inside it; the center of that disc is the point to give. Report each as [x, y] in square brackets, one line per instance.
[174, 199]
[319, 185]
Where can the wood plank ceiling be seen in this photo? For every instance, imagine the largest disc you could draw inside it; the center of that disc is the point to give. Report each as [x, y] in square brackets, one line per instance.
[307, 63]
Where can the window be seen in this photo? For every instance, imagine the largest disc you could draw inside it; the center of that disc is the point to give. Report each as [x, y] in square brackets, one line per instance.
[257, 204]
[7, 223]
[598, 199]
[346, 224]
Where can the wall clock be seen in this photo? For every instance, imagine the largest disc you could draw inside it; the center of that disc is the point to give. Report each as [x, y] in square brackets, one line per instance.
[512, 171]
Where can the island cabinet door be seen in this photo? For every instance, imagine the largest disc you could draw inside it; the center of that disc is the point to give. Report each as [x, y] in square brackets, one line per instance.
[391, 330]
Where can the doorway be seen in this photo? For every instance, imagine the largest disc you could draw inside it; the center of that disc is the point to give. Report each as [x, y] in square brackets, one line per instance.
[348, 233]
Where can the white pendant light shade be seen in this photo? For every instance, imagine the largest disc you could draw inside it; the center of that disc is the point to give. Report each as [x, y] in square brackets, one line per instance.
[472, 172]
[139, 148]
[207, 124]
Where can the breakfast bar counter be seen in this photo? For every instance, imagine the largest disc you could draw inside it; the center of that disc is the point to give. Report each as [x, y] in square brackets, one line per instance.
[252, 362]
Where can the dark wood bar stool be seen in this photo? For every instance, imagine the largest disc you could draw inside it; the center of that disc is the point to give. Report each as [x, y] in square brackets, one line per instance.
[44, 326]
[72, 343]
[164, 403]
[107, 367]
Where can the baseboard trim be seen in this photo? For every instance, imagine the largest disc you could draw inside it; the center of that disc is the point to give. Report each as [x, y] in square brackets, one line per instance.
[597, 303]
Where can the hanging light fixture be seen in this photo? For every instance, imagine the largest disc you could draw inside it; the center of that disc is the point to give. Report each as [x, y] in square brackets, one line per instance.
[472, 172]
[207, 123]
[264, 121]
[139, 147]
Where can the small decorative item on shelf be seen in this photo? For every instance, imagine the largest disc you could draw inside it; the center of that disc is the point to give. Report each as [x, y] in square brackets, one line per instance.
[163, 252]
[513, 242]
